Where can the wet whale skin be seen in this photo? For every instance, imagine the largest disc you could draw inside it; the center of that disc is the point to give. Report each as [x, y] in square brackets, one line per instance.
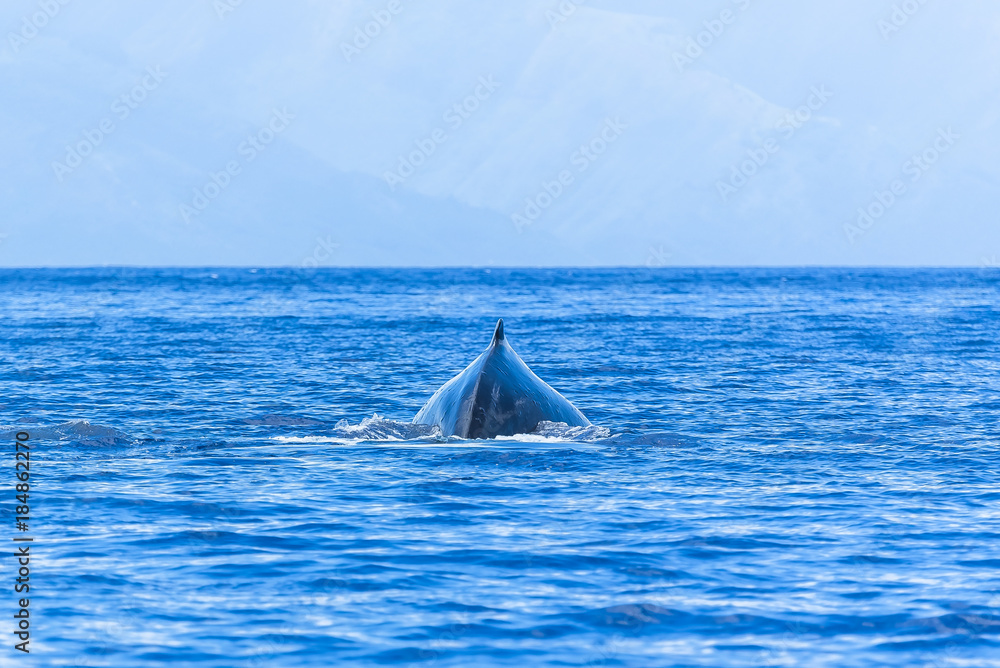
[497, 395]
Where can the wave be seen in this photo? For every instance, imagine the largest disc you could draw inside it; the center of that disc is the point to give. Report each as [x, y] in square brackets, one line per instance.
[560, 431]
[80, 433]
[377, 429]
[374, 429]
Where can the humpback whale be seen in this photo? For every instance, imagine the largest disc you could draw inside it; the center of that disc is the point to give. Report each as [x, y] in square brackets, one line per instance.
[496, 395]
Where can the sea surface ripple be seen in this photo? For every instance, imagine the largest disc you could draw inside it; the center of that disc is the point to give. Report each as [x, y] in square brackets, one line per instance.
[788, 468]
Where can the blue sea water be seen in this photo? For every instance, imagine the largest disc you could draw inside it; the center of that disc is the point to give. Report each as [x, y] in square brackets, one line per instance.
[786, 468]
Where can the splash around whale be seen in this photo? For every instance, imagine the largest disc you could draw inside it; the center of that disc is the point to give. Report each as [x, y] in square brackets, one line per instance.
[497, 395]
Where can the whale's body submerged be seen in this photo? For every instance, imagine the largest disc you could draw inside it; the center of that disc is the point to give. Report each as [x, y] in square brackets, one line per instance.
[497, 395]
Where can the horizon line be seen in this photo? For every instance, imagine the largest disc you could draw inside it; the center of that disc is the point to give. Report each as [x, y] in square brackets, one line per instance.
[499, 267]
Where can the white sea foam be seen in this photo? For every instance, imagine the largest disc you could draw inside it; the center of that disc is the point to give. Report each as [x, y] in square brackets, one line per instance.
[377, 429]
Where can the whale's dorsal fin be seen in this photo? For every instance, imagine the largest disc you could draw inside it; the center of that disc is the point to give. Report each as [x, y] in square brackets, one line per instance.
[498, 333]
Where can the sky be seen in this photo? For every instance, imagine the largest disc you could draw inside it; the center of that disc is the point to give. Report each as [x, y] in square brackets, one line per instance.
[521, 133]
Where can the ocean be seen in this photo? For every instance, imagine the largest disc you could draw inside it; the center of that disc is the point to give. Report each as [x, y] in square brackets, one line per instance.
[787, 467]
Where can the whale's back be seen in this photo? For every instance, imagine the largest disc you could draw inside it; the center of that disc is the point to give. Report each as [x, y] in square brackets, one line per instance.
[497, 395]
